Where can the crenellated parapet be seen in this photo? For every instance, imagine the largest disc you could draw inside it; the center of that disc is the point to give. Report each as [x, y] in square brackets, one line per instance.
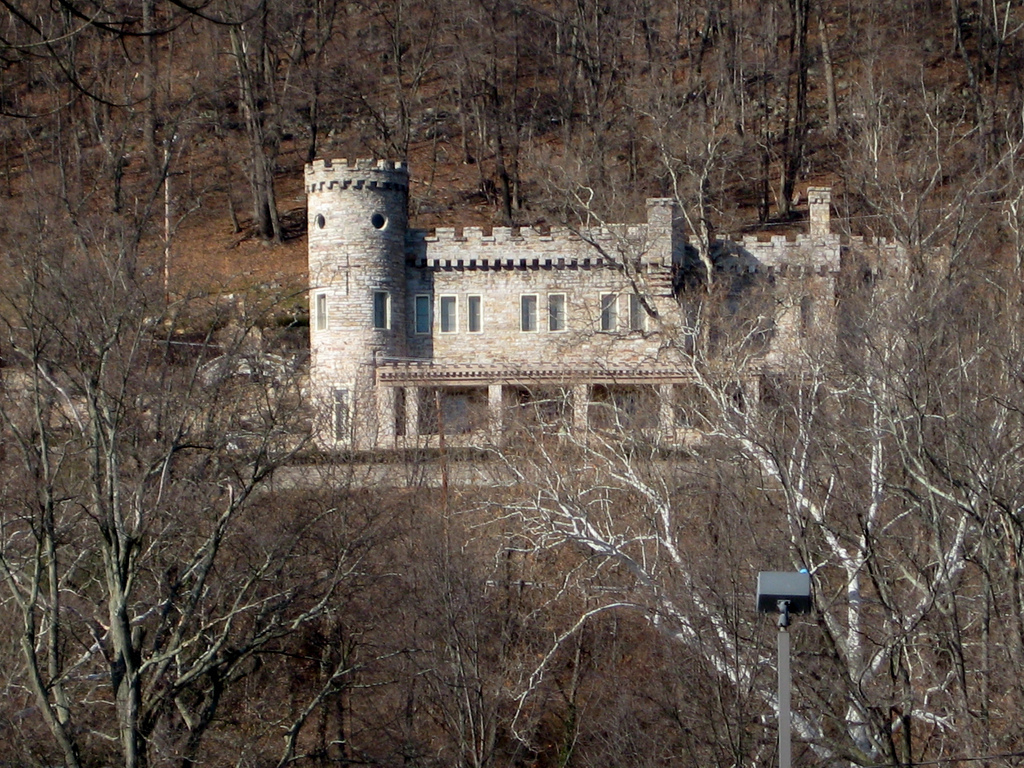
[882, 257]
[523, 247]
[802, 251]
[623, 236]
[387, 175]
[474, 236]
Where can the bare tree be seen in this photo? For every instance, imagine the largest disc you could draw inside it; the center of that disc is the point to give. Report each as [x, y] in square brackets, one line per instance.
[841, 463]
[138, 558]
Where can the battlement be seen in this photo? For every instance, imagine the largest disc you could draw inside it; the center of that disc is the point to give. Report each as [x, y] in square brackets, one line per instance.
[819, 196]
[801, 250]
[528, 236]
[361, 173]
[879, 243]
[525, 247]
[359, 164]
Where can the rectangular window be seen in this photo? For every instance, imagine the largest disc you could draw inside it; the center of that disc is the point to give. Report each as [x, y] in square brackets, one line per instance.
[422, 313]
[609, 312]
[528, 313]
[342, 422]
[448, 314]
[320, 310]
[556, 312]
[806, 315]
[381, 310]
[474, 314]
[637, 316]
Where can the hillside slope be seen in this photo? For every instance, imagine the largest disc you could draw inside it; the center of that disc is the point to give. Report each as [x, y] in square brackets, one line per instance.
[510, 113]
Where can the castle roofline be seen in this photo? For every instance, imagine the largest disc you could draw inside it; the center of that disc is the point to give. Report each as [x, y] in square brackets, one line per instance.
[324, 174]
[358, 164]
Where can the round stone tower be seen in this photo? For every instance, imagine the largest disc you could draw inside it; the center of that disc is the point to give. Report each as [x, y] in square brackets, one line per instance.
[358, 215]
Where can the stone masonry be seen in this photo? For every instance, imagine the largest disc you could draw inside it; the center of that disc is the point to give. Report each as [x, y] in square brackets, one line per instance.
[418, 336]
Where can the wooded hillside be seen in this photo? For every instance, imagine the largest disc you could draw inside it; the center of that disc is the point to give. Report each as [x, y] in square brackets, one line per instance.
[185, 581]
[511, 112]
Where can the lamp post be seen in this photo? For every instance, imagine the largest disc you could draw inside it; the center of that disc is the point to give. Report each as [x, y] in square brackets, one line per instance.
[784, 593]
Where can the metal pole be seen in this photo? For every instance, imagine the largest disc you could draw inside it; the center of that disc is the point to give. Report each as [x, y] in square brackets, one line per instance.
[788, 591]
[785, 756]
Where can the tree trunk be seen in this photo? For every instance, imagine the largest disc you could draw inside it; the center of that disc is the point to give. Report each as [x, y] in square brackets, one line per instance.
[830, 79]
[261, 176]
[149, 77]
[795, 129]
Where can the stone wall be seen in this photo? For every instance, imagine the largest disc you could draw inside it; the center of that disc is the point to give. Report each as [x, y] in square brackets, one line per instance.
[357, 224]
[360, 247]
[501, 338]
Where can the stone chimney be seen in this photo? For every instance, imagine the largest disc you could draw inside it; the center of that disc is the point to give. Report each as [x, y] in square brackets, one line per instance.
[662, 230]
[820, 203]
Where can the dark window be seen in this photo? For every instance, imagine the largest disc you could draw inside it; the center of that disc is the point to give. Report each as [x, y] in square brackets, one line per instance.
[449, 315]
[556, 312]
[423, 313]
[381, 310]
[609, 312]
[636, 313]
[806, 315]
[474, 319]
[528, 313]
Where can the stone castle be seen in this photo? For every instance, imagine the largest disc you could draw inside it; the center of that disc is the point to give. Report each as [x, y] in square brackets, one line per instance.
[420, 337]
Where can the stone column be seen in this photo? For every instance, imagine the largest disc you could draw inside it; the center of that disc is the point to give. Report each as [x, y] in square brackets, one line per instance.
[412, 412]
[580, 407]
[386, 432]
[496, 412]
[666, 412]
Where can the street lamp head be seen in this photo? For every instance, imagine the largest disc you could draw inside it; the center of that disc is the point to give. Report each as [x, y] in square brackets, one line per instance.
[783, 593]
